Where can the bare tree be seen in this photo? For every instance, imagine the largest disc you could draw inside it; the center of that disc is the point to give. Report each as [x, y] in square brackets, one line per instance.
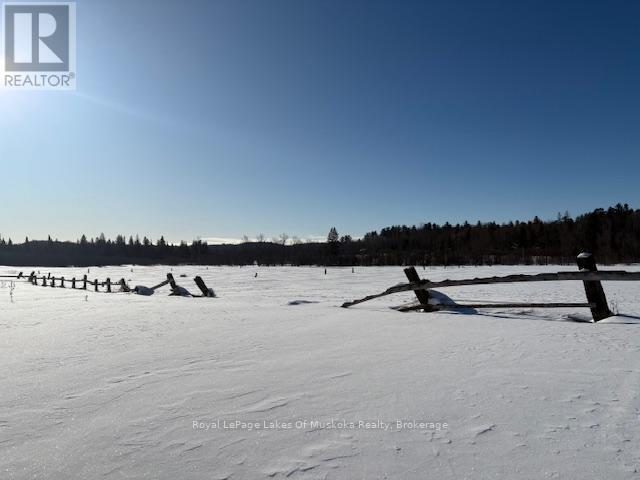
[283, 237]
[260, 237]
[245, 239]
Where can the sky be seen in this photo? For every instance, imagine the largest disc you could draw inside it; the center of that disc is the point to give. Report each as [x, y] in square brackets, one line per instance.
[218, 119]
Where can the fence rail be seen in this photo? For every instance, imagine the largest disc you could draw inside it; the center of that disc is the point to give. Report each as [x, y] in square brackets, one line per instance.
[611, 275]
[418, 306]
[588, 274]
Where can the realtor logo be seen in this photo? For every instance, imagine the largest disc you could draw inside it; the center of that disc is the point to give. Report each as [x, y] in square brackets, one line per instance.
[39, 45]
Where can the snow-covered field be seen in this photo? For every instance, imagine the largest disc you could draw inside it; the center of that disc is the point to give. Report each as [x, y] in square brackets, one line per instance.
[273, 380]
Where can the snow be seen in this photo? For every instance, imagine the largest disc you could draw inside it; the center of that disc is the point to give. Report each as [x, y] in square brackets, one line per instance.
[142, 290]
[113, 386]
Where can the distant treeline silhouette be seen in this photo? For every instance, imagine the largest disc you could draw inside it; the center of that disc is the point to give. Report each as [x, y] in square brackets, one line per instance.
[613, 235]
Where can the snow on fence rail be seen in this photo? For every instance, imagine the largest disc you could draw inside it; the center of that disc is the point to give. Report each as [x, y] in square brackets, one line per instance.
[588, 273]
[84, 282]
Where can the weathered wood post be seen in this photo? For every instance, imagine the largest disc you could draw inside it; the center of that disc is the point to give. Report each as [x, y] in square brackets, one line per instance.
[206, 292]
[84, 282]
[172, 283]
[53, 281]
[123, 285]
[593, 288]
[44, 281]
[108, 285]
[62, 282]
[96, 285]
[73, 282]
[423, 295]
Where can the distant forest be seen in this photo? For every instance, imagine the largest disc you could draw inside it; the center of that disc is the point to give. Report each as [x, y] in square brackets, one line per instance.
[613, 235]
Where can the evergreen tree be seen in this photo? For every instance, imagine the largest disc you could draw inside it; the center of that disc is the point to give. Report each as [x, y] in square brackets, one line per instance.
[333, 235]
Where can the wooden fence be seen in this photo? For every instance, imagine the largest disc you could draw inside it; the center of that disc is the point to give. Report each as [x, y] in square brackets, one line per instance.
[109, 286]
[588, 273]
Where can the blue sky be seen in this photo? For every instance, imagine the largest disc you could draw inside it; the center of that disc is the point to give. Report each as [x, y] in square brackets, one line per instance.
[225, 118]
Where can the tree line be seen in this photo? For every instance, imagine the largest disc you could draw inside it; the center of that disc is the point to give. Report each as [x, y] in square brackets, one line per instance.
[613, 235]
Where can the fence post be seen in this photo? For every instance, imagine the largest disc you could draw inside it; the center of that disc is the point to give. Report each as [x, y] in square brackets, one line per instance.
[203, 287]
[593, 288]
[62, 282]
[172, 283]
[123, 285]
[73, 282]
[84, 282]
[423, 295]
[108, 285]
[44, 281]
[96, 285]
[53, 281]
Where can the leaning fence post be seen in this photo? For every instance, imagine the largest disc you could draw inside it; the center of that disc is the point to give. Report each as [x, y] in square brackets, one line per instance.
[593, 288]
[172, 283]
[123, 286]
[206, 292]
[423, 295]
